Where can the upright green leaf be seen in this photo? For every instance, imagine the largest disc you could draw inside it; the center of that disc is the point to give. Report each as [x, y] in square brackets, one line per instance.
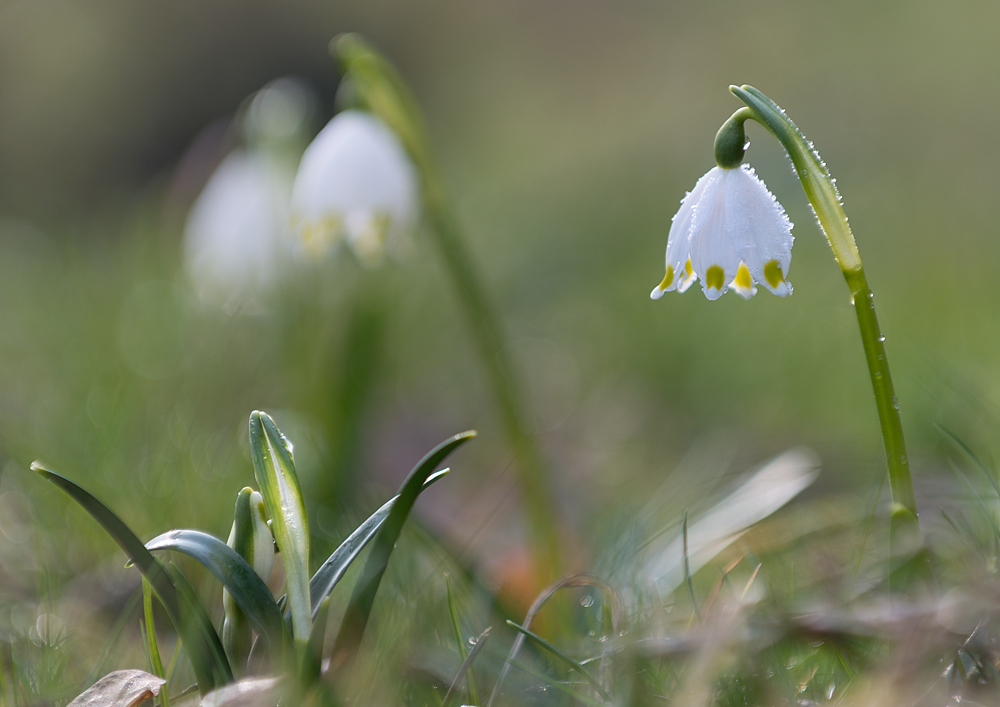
[274, 468]
[156, 663]
[209, 669]
[331, 571]
[356, 616]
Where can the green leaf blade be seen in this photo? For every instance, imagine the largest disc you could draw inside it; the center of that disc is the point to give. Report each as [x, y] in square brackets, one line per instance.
[274, 469]
[359, 608]
[333, 569]
[235, 574]
[204, 661]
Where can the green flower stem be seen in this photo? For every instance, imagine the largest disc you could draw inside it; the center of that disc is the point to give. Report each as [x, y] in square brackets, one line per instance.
[381, 90]
[822, 194]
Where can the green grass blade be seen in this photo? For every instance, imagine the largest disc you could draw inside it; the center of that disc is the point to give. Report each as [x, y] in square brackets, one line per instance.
[990, 476]
[987, 513]
[466, 669]
[542, 643]
[359, 608]
[236, 575]
[312, 666]
[274, 468]
[332, 571]
[206, 665]
[456, 626]
[566, 689]
[154, 650]
[687, 567]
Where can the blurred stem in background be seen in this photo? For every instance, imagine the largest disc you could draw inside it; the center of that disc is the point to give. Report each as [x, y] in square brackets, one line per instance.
[382, 91]
[822, 194]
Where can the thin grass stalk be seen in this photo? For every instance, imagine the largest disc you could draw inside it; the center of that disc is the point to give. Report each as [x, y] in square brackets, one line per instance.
[156, 663]
[383, 92]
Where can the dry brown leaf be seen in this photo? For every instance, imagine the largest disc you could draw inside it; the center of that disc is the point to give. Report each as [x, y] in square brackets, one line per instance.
[122, 688]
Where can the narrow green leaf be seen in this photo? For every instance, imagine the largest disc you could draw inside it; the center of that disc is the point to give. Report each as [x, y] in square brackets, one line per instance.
[154, 650]
[202, 623]
[456, 626]
[274, 468]
[312, 666]
[990, 476]
[206, 665]
[359, 608]
[542, 643]
[235, 574]
[466, 669]
[557, 684]
[331, 571]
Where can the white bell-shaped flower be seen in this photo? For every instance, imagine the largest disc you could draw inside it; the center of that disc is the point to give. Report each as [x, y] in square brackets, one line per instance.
[234, 239]
[355, 183]
[732, 233]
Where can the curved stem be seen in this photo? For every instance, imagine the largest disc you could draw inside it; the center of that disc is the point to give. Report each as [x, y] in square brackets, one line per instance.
[384, 93]
[822, 194]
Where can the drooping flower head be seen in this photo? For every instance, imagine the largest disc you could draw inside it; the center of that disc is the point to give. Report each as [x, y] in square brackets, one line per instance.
[233, 238]
[355, 183]
[732, 233]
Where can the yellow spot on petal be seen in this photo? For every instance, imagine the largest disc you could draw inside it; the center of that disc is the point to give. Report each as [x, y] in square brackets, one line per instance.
[715, 277]
[743, 281]
[668, 278]
[772, 273]
[688, 268]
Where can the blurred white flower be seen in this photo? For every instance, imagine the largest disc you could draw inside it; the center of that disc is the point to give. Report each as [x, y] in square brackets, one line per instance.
[731, 232]
[234, 239]
[355, 183]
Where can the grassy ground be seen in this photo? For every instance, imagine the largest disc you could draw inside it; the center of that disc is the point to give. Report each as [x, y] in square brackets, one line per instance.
[113, 372]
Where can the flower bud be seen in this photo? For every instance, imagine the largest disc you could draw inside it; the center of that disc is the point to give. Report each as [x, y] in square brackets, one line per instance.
[251, 539]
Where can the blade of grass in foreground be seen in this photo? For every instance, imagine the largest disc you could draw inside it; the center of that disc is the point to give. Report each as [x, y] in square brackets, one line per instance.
[156, 663]
[331, 571]
[352, 628]
[456, 626]
[238, 577]
[274, 468]
[466, 669]
[209, 669]
[541, 642]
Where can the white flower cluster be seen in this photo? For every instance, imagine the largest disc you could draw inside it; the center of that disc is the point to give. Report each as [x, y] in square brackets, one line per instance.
[355, 185]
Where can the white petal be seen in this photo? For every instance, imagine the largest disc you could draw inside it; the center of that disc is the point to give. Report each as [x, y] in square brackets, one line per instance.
[355, 174]
[233, 244]
[679, 275]
[761, 229]
[713, 253]
[263, 542]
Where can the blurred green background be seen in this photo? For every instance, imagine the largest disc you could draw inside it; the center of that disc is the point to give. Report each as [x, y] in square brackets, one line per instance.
[568, 133]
